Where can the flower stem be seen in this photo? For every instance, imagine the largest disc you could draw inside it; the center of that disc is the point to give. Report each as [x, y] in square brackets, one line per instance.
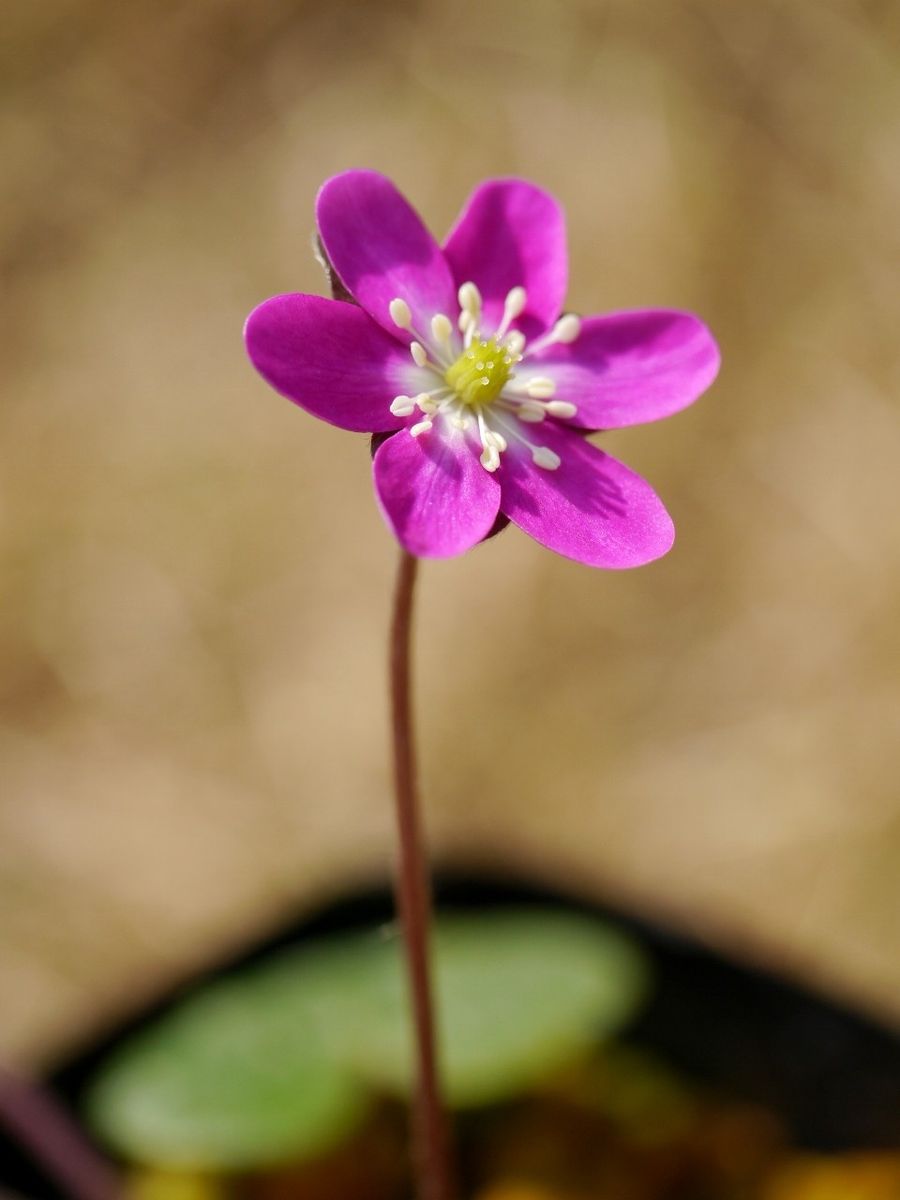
[50, 1135]
[434, 1174]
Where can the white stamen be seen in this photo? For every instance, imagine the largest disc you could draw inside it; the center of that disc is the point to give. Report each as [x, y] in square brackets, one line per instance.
[490, 459]
[400, 313]
[566, 329]
[515, 342]
[470, 298]
[493, 438]
[427, 403]
[490, 455]
[531, 411]
[470, 303]
[543, 457]
[402, 406]
[420, 428]
[540, 388]
[441, 329]
[471, 333]
[561, 408]
[419, 353]
[459, 421]
[513, 306]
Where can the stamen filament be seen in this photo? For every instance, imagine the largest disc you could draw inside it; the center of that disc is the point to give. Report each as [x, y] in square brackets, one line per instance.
[421, 348]
[541, 456]
[533, 410]
[513, 306]
[490, 452]
[565, 331]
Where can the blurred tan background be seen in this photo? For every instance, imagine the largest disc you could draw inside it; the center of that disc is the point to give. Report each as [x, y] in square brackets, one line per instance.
[196, 580]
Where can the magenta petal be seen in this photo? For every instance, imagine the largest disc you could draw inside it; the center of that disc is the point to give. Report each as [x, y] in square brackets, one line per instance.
[331, 359]
[591, 508]
[510, 234]
[434, 493]
[629, 368]
[381, 250]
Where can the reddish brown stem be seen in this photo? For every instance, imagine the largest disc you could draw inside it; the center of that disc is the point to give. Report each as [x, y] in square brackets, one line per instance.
[434, 1175]
[44, 1128]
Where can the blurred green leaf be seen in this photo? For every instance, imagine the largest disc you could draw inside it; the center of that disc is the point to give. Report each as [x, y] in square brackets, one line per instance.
[274, 1064]
[520, 993]
[231, 1079]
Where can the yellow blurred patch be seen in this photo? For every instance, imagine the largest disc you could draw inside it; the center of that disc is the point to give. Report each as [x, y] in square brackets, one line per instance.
[850, 1177]
[174, 1185]
[520, 1191]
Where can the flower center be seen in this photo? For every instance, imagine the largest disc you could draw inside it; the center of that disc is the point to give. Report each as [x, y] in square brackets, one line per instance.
[476, 383]
[480, 373]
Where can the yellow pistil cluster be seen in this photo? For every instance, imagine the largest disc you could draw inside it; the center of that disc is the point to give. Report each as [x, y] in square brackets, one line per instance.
[480, 373]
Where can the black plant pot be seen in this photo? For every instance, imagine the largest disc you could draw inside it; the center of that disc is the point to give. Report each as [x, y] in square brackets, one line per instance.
[830, 1076]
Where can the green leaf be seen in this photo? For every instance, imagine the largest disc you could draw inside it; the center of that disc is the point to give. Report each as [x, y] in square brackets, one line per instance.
[521, 992]
[231, 1079]
[275, 1064]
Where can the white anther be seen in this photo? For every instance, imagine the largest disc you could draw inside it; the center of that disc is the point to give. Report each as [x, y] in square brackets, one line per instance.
[441, 329]
[470, 298]
[513, 305]
[531, 412]
[561, 408]
[402, 406]
[540, 388]
[465, 320]
[420, 428]
[492, 438]
[400, 314]
[515, 342]
[419, 353]
[427, 403]
[542, 457]
[490, 458]
[515, 302]
[459, 422]
[566, 329]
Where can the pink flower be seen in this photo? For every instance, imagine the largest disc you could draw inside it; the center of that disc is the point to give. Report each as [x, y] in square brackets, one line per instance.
[462, 356]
